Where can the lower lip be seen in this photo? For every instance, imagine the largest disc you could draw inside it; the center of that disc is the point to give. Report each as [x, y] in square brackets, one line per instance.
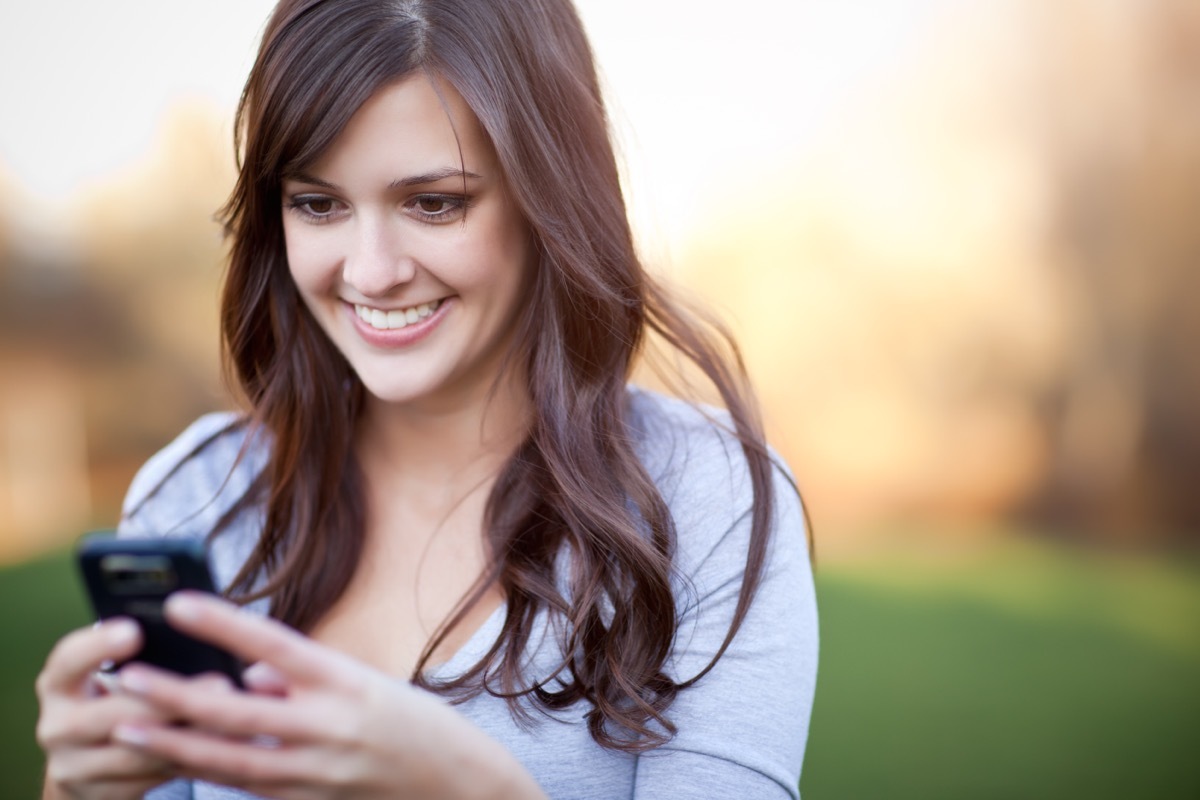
[400, 337]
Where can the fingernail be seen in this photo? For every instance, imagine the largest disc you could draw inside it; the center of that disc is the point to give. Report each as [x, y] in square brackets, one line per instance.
[128, 734]
[262, 677]
[131, 680]
[183, 607]
[261, 672]
[122, 632]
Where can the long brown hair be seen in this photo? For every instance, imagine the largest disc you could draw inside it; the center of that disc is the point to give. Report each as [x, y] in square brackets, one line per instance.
[526, 70]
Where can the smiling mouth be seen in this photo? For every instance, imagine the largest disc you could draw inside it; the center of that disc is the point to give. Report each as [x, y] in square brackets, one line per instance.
[382, 320]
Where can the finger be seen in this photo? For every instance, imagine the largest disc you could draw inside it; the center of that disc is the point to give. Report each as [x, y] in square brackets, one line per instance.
[199, 754]
[81, 652]
[92, 723]
[254, 638]
[211, 682]
[114, 762]
[262, 678]
[219, 709]
[100, 683]
[129, 787]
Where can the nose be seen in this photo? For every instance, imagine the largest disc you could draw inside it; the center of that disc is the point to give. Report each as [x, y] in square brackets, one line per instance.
[377, 260]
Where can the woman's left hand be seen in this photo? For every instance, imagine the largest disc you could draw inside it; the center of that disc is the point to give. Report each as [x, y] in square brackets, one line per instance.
[327, 727]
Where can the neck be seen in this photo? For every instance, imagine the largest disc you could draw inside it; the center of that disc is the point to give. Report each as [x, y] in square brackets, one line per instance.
[446, 448]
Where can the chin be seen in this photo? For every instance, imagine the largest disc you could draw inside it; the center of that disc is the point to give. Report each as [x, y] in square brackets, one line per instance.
[391, 394]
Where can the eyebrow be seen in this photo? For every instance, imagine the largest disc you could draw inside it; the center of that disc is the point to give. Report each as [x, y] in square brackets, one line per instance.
[412, 180]
[434, 177]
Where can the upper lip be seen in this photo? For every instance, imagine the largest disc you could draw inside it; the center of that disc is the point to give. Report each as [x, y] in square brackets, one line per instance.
[403, 307]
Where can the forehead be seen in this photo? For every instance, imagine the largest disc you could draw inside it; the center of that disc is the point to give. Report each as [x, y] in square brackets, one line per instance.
[409, 125]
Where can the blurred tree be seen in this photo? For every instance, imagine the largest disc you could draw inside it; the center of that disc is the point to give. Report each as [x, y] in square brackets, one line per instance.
[1122, 109]
[116, 318]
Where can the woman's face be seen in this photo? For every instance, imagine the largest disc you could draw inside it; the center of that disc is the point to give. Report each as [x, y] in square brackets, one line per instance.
[414, 269]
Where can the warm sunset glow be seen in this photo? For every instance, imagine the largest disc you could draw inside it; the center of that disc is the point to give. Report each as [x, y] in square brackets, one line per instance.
[920, 217]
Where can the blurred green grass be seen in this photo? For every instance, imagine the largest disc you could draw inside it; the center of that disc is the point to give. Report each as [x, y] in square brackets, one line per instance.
[42, 600]
[1016, 669]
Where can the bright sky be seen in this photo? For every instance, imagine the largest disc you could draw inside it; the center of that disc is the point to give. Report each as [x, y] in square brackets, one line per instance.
[708, 95]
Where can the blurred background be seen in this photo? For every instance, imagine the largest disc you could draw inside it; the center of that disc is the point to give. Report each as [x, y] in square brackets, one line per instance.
[958, 241]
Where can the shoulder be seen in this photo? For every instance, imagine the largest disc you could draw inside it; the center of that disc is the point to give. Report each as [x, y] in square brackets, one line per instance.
[696, 459]
[761, 687]
[686, 447]
[185, 488]
[698, 464]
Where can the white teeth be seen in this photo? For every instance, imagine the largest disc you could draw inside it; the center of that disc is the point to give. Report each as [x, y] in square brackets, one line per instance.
[391, 320]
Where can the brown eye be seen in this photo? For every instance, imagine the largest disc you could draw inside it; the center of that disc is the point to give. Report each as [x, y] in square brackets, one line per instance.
[315, 208]
[431, 205]
[320, 205]
[437, 208]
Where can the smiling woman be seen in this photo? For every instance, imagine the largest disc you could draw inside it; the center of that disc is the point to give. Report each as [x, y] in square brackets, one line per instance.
[475, 561]
[420, 297]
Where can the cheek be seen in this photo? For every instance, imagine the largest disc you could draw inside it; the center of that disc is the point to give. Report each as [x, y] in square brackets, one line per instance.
[504, 254]
[312, 268]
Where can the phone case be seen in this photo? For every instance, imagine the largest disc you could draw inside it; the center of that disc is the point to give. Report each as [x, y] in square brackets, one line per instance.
[132, 578]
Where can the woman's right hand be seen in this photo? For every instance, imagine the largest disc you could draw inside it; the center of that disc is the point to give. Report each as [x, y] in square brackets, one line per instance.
[78, 716]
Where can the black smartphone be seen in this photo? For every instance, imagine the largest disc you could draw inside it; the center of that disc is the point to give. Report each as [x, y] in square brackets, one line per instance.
[132, 578]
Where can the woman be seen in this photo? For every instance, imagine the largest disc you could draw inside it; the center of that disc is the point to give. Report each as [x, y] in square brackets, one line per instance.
[432, 307]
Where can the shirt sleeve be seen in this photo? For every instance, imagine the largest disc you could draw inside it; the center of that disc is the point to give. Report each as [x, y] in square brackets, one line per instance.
[175, 790]
[187, 488]
[183, 489]
[742, 728]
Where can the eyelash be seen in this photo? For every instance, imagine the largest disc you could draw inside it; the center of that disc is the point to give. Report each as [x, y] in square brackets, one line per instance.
[452, 206]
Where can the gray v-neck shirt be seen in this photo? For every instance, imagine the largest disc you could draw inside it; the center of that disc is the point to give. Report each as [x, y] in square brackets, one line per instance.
[741, 729]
